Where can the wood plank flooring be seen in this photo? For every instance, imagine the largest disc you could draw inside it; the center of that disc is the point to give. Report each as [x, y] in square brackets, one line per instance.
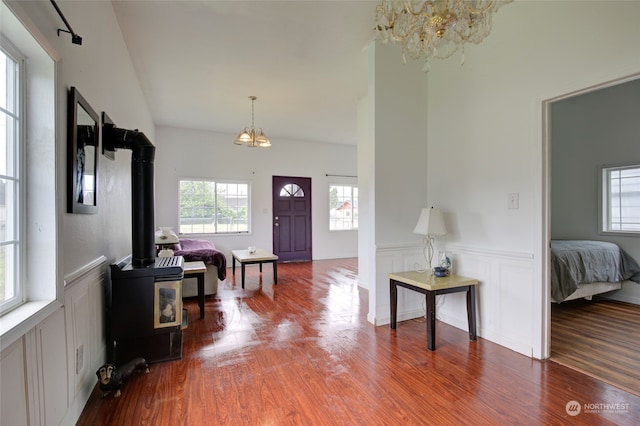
[302, 353]
[600, 338]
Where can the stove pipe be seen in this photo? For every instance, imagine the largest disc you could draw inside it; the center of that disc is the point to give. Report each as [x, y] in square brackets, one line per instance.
[142, 191]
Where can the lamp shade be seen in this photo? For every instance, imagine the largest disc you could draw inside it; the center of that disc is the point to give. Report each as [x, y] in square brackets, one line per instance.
[244, 138]
[430, 223]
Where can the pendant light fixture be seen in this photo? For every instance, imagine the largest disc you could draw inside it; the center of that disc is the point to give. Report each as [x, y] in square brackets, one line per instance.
[435, 28]
[250, 136]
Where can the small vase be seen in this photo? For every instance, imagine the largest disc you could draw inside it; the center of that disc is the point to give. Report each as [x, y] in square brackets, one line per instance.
[445, 261]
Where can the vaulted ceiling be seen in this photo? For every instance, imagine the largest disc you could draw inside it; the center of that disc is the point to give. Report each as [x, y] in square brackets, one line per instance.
[199, 61]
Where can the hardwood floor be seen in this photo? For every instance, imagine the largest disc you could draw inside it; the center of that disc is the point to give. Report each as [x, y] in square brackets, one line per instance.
[302, 353]
[600, 338]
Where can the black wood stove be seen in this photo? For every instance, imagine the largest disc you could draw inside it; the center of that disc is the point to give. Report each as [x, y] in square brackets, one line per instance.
[144, 300]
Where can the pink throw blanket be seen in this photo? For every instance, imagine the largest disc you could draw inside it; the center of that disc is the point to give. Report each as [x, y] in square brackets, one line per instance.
[203, 250]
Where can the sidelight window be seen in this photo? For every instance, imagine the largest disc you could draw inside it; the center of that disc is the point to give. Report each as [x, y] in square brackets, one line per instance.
[343, 207]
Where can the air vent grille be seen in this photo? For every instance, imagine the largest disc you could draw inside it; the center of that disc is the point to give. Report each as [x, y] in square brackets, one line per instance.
[169, 262]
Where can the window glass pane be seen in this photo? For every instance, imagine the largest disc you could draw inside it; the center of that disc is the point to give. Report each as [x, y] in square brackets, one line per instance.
[3, 210]
[232, 207]
[5, 133]
[8, 219]
[8, 143]
[7, 273]
[9, 88]
[9, 181]
[4, 60]
[343, 207]
[197, 205]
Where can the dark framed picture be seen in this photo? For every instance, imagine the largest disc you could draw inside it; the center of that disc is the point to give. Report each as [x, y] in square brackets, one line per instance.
[167, 311]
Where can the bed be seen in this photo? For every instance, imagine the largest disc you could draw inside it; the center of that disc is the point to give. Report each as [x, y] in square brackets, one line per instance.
[584, 268]
[193, 250]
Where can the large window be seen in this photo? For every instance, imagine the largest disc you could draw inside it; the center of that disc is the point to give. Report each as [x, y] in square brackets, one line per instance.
[10, 181]
[621, 199]
[28, 220]
[214, 207]
[343, 207]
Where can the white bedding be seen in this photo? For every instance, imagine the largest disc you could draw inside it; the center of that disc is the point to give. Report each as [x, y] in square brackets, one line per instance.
[588, 290]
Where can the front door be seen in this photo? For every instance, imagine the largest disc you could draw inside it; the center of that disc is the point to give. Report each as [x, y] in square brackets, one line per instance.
[292, 218]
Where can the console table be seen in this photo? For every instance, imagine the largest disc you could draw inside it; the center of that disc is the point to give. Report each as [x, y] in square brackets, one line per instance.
[245, 257]
[431, 286]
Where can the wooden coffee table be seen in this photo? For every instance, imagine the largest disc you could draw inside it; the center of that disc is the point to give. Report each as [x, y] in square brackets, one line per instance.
[259, 256]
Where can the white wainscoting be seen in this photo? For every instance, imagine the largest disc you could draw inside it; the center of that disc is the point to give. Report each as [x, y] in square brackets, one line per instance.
[85, 330]
[13, 404]
[410, 303]
[504, 296]
[48, 374]
[34, 375]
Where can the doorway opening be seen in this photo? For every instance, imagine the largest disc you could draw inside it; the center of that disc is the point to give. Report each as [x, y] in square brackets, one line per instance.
[577, 141]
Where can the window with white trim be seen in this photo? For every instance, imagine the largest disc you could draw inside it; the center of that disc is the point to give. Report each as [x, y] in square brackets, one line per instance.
[214, 207]
[621, 199]
[28, 214]
[11, 292]
[343, 207]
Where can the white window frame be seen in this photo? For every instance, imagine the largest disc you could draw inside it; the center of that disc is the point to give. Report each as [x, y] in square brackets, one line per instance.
[16, 210]
[43, 286]
[353, 206]
[217, 226]
[606, 225]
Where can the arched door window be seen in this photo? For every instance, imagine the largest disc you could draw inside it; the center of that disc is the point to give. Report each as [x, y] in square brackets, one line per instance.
[291, 190]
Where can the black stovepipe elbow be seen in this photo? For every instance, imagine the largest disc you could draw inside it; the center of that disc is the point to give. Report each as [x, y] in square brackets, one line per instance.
[142, 191]
[137, 142]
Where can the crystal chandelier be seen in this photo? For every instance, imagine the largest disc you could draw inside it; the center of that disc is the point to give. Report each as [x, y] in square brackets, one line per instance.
[252, 137]
[434, 28]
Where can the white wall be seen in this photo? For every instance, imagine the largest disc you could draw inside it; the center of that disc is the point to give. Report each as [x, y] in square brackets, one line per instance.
[589, 131]
[43, 360]
[397, 164]
[365, 198]
[486, 141]
[189, 153]
[102, 71]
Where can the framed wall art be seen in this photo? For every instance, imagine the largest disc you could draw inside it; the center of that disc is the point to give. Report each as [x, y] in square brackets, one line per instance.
[167, 310]
[82, 160]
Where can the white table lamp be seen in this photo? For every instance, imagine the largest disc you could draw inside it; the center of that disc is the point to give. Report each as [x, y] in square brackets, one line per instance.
[431, 224]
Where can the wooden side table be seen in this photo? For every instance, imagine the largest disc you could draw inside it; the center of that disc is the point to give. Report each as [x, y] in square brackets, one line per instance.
[197, 270]
[431, 286]
[259, 257]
